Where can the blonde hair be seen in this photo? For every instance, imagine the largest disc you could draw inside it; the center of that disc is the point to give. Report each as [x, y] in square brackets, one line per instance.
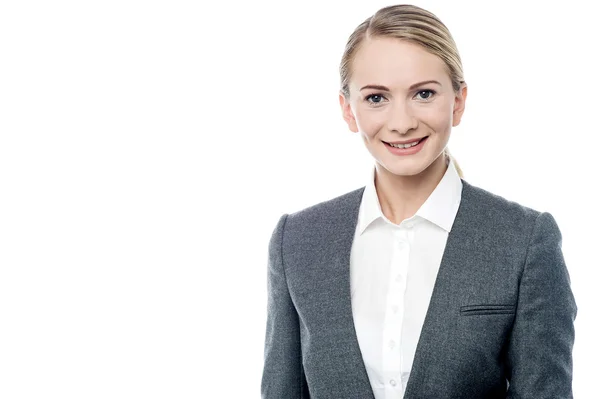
[412, 24]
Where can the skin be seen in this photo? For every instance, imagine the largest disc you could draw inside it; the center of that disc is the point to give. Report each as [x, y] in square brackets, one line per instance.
[402, 109]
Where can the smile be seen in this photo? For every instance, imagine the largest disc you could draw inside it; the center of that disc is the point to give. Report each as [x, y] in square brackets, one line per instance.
[408, 148]
[407, 145]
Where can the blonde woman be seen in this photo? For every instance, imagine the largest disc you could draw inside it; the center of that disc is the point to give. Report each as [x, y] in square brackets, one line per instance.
[419, 284]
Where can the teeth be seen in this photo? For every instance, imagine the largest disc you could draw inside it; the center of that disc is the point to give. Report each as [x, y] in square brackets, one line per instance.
[405, 145]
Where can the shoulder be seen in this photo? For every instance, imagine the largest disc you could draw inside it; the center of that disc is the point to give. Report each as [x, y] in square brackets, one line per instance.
[329, 209]
[502, 214]
[319, 221]
[495, 204]
[495, 201]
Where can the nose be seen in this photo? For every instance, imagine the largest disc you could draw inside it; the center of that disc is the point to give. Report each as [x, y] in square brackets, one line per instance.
[401, 118]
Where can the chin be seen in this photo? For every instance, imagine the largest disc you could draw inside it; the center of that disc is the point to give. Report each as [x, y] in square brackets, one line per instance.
[412, 167]
[406, 171]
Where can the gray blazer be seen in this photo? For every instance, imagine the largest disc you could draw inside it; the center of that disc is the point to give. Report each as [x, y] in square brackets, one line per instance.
[499, 324]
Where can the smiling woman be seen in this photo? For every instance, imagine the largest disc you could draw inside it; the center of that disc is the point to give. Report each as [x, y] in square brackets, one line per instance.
[418, 284]
[397, 92]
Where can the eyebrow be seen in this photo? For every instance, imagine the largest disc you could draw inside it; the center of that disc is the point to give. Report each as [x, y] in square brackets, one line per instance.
[414, 86]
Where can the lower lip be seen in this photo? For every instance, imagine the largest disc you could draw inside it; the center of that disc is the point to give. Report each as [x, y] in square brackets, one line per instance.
[407, 151]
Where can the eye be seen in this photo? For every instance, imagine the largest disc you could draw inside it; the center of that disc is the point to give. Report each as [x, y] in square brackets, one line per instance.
[425, 95]
[375, 98]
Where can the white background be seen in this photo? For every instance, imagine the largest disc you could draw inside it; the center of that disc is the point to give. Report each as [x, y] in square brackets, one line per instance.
[147, 150]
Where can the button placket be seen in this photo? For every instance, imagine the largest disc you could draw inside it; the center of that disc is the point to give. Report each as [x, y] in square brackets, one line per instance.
[394, 316]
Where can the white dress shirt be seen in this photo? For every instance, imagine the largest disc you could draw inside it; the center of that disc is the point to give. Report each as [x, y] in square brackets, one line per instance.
[392, 273]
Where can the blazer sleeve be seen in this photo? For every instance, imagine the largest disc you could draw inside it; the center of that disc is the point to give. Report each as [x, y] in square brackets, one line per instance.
[282, 375]
[539, 355]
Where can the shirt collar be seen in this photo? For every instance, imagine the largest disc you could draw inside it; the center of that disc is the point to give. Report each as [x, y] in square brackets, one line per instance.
[440, 207]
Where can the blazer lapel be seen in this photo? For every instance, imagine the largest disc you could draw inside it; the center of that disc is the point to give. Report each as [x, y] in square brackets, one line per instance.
[441, 311]
[319, 247]
[341, 239]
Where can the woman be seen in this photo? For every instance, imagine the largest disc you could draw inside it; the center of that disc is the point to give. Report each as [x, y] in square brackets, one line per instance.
[418, 285]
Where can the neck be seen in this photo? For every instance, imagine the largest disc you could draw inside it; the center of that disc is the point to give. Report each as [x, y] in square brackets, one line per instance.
[401, 197]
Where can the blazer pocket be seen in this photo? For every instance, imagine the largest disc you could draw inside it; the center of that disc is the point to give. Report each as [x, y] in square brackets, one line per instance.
[473, 310]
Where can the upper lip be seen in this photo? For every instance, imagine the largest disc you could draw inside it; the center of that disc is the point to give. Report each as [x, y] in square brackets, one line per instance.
[406, 141]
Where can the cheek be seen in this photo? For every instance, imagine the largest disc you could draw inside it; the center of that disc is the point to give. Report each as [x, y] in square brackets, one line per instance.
[439, 118]
[369, 122]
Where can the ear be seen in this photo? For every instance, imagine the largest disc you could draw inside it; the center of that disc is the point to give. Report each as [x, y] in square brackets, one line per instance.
[347, 113]
[459, 105]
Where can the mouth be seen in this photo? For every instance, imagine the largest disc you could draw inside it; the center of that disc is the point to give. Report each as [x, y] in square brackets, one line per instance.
[413, 144]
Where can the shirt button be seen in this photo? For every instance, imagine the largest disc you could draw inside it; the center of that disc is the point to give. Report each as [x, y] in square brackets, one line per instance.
[393, 383]
[392, 344]
[395, 309]
[410, 224]
[398, 278]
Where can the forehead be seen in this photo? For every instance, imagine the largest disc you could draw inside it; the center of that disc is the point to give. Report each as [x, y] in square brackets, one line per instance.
[395, 63]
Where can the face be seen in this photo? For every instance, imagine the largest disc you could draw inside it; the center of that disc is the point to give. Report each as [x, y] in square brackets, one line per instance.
[401, 93]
